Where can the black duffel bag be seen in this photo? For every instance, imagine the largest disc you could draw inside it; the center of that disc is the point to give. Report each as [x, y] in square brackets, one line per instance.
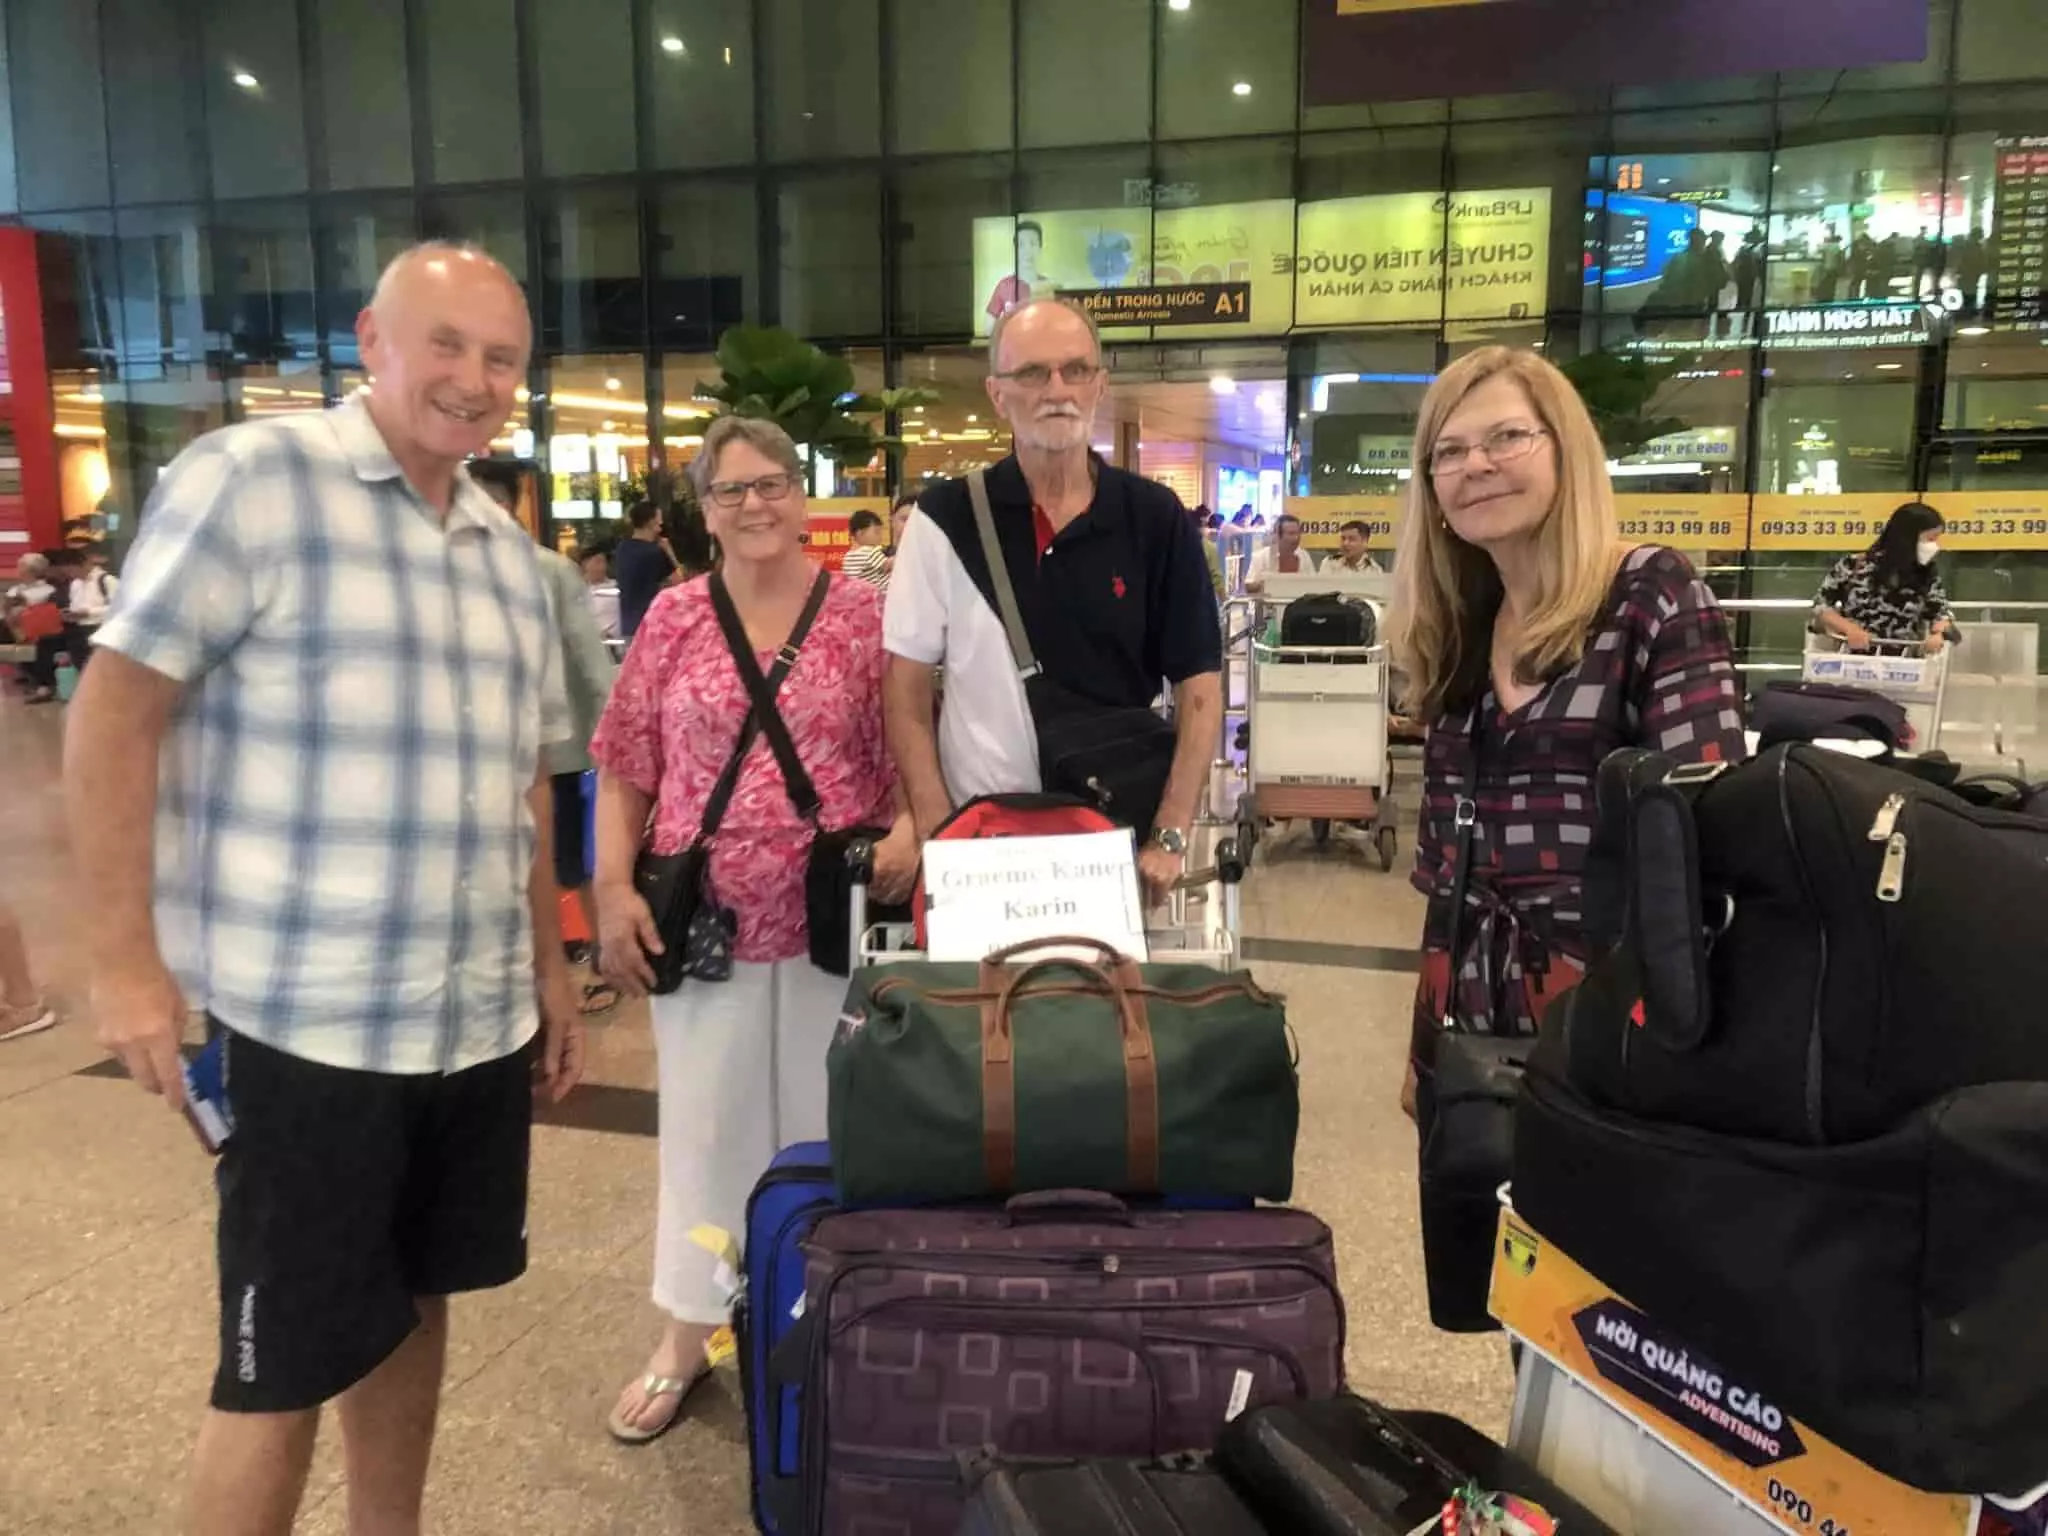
[1787, 711]
[1887, 1293]
[1324, 618]
[1805, 947]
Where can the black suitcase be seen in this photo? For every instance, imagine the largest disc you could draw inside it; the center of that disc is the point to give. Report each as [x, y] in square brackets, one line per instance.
[1175, 1497]
[1324, 618]
[1345, 1466]
[1887, 1292]
[1805, 947]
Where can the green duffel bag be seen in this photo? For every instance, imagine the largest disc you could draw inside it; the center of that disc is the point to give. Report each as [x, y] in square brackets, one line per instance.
[963, 1081]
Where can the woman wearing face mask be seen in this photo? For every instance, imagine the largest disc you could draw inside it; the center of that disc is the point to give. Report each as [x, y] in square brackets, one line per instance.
[1535, 642]
[741, 1062]
[1891, 591]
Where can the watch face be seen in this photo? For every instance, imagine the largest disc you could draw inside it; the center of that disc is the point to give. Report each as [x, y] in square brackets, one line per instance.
[1171, 841]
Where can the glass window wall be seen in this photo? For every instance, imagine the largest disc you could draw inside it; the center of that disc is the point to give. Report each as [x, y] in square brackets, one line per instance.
[822, 75]
[255, 98]
[949, 68]
[472, 88]
[701, 81]
[584, 62]
[365, 94]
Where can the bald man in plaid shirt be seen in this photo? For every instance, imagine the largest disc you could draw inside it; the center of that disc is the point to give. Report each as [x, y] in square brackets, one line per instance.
[305, 784]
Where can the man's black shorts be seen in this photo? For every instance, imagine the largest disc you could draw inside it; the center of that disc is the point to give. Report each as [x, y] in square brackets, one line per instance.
[572, 832]
[343, 1196]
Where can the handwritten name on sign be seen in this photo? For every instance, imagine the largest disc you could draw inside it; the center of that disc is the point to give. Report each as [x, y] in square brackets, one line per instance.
[986, 894]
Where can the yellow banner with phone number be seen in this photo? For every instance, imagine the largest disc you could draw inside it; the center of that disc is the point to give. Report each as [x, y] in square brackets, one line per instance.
[1725, 524]
[1703, 523]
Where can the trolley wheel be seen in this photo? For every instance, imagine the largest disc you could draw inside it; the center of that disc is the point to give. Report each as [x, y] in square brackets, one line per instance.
[1244, 737]
[1386, 840]
[1319, 827]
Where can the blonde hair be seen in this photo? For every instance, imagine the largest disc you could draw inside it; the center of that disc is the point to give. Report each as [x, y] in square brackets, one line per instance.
[1447, 592]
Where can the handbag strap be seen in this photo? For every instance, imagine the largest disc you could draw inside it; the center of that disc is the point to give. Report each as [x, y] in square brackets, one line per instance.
[999, 578]
[764, 715]
[1465, 826]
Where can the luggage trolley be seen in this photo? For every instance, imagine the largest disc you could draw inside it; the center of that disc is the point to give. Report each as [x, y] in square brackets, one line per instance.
[1317, 725]
[1900, 670]
[1201, 922]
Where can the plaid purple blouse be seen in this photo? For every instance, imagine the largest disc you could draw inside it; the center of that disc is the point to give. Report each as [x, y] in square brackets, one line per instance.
[1658, 672]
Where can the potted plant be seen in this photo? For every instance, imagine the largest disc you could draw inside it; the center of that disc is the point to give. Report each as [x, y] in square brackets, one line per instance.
[766, 372]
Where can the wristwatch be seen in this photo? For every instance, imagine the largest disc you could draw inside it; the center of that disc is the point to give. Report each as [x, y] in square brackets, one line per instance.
[1172, 840]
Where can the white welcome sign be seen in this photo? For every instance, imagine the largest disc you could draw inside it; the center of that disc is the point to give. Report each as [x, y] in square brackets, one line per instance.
[985, 894]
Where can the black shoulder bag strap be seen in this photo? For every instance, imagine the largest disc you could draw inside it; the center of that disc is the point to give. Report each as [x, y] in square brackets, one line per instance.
[764, 715]
[999, 578]
[1465, 825]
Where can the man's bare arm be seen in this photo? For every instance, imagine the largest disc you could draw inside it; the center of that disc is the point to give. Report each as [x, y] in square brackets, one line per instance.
[909, 694]
[1198, 726]
[113, 735]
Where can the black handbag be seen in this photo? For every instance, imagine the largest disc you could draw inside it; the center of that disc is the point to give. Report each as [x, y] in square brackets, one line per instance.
[1465, 1110]
[697, 931]
[1116, 757]
[830, 868]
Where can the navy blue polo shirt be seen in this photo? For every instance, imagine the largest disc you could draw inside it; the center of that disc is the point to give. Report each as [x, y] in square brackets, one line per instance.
[1119, 600]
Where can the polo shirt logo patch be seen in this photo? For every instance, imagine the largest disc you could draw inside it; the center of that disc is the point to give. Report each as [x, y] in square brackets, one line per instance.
[1116, 585]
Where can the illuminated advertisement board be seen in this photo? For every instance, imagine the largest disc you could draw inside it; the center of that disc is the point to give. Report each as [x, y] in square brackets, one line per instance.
[1401, 258]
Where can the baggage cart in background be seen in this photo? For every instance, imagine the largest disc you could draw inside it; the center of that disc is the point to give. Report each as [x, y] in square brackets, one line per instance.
[1316, 723]
[1900, 670]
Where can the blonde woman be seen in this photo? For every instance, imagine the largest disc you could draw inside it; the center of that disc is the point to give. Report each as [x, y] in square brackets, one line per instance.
[1535, 642]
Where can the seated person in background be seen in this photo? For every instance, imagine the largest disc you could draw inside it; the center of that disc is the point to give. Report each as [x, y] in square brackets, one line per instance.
[1351, 552]
[1203, 520]
[643, 564]
[31, 587]
[1284, 556]
[868, 559]
[1109, 579]
[1891, 591]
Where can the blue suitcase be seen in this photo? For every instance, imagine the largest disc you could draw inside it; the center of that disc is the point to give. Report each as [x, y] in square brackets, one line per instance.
[786, 1203]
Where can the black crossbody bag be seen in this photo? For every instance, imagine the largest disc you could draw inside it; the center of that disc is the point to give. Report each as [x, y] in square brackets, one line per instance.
[1465, 1109]
[828, 872]
[1117, 757]
[697, 932]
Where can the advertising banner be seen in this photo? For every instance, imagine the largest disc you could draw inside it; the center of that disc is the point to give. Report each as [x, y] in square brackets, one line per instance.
[1415, 257]
[825, 535]
[1040, 255]
[1383, 50]
[1728, 1428]
[1693, 523]
[1398, 258]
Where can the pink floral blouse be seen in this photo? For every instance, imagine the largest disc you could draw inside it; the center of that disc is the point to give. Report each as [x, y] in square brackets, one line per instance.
[675, 716]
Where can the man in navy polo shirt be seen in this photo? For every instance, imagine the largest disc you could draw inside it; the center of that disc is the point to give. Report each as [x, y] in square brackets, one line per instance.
[1110, 577]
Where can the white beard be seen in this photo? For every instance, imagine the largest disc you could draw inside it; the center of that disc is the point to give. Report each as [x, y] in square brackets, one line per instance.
[1051, 434]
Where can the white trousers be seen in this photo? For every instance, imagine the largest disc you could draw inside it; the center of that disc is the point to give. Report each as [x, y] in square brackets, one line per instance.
[742, 1075]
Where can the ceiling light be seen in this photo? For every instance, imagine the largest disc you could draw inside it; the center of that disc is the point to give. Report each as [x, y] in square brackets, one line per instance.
[245, 80]
[1222, 384]
[672, 44]
[728, 55]
[1242, 88]
[613, 384]
[974, 418]
[1663, 181]
[606, 426]
[1973, 330]
[1178, 5]
[1889, 367]
[917, 410]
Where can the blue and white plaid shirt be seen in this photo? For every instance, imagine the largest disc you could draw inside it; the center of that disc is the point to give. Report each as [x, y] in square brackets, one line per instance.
[343, 837]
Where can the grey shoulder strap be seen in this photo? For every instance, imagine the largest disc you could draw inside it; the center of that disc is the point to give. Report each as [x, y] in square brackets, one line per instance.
[999, 577]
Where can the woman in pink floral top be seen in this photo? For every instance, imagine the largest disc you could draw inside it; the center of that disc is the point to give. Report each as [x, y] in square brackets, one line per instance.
[742, 1062]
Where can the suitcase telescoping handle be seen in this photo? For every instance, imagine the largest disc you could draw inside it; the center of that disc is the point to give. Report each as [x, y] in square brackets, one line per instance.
[1118, 977]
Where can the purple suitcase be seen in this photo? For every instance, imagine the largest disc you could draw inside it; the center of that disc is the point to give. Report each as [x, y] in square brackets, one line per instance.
[1064, 1325]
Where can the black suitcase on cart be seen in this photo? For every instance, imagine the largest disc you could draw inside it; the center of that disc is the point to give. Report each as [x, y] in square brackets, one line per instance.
[1174, 1497]
[1345, 1466]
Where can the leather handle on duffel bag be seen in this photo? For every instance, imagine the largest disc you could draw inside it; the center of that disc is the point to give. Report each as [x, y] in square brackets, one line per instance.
[1000, 986]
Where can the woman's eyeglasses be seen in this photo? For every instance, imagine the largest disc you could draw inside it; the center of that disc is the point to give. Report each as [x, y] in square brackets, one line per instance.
[1503, 445]
[730, 493]
[1075, 371]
